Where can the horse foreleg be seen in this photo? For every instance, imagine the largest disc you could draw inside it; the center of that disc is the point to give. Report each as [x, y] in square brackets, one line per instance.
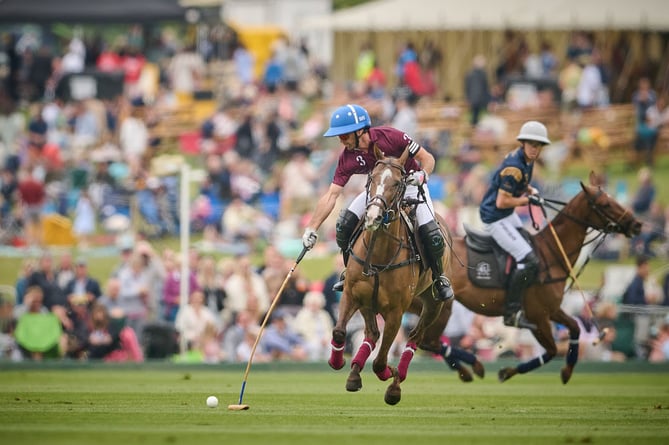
[505, 374]
[453, 356]
[380, 365]
[354, 381]
[338, 342]
[544, 336]
[405, 360]
[572, 351]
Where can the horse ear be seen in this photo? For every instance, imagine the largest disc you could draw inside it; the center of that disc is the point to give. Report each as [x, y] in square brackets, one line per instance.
[378, 153]
[595, 179]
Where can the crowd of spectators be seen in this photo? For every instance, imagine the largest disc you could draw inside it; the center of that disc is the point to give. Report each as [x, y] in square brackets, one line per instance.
[96, 162]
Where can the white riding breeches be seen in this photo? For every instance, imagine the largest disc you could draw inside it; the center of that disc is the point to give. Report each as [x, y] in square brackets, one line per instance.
[506, 234]
[424, 210]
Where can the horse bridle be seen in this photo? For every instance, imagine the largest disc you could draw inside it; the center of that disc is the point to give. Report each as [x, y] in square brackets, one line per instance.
[611, 224]
[387, 208]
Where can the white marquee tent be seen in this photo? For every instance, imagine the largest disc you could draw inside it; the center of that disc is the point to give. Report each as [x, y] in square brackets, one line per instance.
[386, 15]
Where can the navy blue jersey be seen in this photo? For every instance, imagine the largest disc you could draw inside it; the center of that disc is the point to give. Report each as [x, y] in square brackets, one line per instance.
[513, 176]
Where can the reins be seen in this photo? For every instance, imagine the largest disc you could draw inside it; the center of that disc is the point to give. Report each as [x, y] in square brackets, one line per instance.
[391, 213]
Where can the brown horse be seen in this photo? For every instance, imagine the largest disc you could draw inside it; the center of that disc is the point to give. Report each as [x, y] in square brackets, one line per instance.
[563, 236]
[383, 276]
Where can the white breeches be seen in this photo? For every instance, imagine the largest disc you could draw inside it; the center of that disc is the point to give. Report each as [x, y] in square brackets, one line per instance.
[505, 232]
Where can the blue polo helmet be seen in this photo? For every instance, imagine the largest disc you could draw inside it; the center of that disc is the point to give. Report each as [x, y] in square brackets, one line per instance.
[347, 119]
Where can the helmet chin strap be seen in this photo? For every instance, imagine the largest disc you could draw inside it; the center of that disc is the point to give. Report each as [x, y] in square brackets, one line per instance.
[357, 139]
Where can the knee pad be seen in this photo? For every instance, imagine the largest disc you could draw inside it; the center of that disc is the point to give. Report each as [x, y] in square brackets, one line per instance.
[346, 224]
[432, 238]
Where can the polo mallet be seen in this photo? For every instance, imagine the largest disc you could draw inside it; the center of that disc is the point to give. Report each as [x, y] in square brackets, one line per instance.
[604, 331]
[240, 406]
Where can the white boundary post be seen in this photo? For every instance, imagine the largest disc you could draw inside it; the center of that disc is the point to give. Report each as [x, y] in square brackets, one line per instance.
[184, 225]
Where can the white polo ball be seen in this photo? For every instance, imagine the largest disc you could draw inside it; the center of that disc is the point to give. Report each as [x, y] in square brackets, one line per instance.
[212, 402]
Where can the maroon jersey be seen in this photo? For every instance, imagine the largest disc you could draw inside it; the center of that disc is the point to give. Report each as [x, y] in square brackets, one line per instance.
[391, 142]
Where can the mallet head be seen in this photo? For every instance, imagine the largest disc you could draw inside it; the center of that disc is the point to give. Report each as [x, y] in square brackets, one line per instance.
[238, 407]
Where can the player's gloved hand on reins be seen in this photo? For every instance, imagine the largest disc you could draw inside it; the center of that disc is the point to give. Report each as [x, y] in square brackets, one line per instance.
[536, 200]
[417, 178]
[309, 238]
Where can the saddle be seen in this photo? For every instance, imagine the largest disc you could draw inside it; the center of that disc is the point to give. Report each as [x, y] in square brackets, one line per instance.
[488, 265]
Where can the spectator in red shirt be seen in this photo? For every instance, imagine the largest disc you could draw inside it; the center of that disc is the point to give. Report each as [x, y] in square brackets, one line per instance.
[109, 61]
[31, 197]
[133, 63]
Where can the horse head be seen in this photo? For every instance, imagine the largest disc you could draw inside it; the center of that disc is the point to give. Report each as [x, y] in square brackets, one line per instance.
[606, 214]
[385, 189]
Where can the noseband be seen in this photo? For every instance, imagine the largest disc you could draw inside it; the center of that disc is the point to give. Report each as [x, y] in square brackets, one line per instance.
[388, 209]
[612, 225]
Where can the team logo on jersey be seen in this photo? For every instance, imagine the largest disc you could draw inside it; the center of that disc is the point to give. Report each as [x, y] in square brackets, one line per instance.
[361, 160]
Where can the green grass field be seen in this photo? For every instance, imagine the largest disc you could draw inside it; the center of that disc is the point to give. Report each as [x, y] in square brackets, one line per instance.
[291, 404]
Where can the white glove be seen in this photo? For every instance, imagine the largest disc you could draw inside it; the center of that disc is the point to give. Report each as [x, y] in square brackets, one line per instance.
[536, 200]
[309, 238]
[417, 178]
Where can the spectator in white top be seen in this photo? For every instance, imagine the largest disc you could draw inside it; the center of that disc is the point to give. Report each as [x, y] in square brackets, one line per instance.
[185, 71]
[314, 325]
[192, 319]
[134, 135]
[589, 92]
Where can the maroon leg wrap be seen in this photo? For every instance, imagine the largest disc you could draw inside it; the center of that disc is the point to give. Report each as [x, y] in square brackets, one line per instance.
[363, 353]
[407, 355]
[385, 374]
[336, 355]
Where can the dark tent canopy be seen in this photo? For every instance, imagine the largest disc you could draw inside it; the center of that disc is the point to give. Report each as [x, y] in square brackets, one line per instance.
[89, 11]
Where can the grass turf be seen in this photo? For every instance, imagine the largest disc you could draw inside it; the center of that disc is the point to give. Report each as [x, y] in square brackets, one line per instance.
[151, 405]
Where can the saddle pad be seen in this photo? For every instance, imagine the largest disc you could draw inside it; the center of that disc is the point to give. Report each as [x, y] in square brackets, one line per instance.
[484, 270]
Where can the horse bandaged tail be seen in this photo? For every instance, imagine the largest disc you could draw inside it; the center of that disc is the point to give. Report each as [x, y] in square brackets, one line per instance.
[405, 360]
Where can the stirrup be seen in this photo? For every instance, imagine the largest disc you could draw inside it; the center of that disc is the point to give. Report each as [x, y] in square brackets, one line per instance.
[518, 320]
[339, 285]
[444, 290]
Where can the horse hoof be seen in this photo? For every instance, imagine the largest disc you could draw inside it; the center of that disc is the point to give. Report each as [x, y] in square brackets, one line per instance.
[394, 391]
[393, 395]
[505, 374]
[565, 373]
[478, 369]
[465, 375]
[353, 383]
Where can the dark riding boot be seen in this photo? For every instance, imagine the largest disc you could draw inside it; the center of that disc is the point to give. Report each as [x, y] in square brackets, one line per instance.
[433, 245]
[522, 278]
[346, 224]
